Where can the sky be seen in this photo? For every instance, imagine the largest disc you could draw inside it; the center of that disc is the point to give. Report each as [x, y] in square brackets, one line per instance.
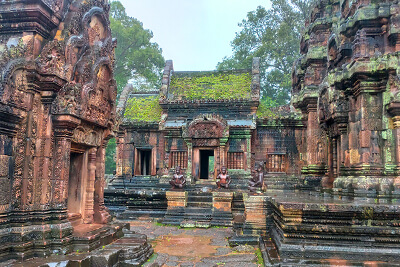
[195, 34]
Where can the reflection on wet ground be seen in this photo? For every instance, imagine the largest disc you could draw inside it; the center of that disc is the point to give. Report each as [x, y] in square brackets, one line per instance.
[174, 246]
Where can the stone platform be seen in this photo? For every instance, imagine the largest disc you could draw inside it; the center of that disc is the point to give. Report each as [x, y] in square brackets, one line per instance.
[319, 227]
[102, 246]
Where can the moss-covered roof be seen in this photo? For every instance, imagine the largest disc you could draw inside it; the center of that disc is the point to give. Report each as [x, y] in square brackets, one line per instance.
[210, 85]
[143, 109]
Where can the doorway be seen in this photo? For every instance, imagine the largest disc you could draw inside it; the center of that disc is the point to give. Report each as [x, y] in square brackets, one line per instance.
[206, 164]
[77, 186]
[144, 162]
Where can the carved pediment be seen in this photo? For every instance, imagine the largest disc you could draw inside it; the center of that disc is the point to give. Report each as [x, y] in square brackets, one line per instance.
[207, 126]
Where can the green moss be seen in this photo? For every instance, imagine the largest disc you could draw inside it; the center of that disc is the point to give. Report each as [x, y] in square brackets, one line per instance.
[214, 86]
[260, 260]
[143, 109]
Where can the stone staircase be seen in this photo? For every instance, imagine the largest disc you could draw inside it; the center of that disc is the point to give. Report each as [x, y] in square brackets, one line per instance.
[198, 212]
[137, 197]
[129, 251]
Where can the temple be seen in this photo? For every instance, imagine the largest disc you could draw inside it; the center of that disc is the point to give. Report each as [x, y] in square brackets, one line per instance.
[323, 170]
[202, 121]
[330, 157]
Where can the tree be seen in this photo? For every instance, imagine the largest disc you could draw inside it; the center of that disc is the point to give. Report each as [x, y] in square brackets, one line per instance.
[110, 156]
[135, 57]
[135, 54]
[274, 36]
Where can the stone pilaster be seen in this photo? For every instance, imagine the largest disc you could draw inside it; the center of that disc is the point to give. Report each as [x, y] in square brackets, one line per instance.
[63, 131]
[89, 203]
[101, 214]
[189, 176]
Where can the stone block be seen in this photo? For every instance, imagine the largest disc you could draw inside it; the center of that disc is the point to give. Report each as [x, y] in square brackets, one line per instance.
[365, 139]
[256, 213]
[222, 201]
[177, 199]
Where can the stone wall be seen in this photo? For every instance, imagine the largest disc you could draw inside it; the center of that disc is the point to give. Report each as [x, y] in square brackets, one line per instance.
[346, 85]
[57, 99]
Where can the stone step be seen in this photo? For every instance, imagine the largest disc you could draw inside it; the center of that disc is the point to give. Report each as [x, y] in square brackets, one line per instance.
[200, 199]
[199, 204]
[131, 250]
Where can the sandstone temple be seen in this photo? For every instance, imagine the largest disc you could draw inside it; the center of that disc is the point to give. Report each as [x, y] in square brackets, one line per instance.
[330, 158]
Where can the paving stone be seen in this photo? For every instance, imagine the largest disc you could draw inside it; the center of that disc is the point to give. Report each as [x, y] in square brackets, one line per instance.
[231, 258]
[186, 264]
[244, 248]
[171, 263]
[223, 251]
[240, 264]
[203, 264]
[173, 258]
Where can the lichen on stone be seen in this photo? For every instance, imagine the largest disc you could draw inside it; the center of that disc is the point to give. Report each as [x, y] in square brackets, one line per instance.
[143, 109]
[211, 85]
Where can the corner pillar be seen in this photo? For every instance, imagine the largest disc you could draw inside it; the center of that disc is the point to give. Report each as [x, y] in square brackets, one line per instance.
[64, 126]
[101, 214]
[89, 203]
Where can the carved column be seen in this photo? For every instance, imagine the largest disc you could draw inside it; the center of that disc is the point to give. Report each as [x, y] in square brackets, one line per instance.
[189, 168]
[248, 152]
[119, 152]
[64, 126]
[316, 145]
[222, 148]
[101, 214]
[89, 204]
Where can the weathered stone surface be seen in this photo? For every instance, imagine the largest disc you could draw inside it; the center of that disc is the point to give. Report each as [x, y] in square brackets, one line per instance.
[57, 113]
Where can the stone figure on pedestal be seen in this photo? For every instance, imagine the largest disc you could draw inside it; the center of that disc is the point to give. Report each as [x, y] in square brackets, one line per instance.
[178, 181]
[223, 178]
[257, 181]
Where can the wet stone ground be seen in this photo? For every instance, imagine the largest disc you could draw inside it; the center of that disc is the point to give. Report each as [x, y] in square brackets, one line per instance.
[187, 247]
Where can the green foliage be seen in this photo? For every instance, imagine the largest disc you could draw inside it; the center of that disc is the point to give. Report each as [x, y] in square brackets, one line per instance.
[110, 156]
[274, 36]
[135, 54]
[214, 86]
[264, 108]
[143, 109]
[260, 260]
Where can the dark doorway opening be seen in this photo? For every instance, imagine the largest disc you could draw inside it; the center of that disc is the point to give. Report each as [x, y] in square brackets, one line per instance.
[76, 182]
[145, 159]
[206, 163]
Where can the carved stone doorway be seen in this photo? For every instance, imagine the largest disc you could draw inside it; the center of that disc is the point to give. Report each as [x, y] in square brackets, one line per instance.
[143, 162]
[78, 175]
[206, 164]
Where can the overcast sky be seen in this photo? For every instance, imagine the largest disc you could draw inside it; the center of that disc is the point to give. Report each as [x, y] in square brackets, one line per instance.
[195, 34]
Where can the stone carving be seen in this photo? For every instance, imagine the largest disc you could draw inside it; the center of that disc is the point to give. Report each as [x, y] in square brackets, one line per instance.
[223, 179]
[57, 96]
[178, 181]
[207, 126]
[257, 181]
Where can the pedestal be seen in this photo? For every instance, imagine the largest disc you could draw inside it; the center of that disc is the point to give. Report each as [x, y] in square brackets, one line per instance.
[177, 201]
[256, 212]
[222, 209]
